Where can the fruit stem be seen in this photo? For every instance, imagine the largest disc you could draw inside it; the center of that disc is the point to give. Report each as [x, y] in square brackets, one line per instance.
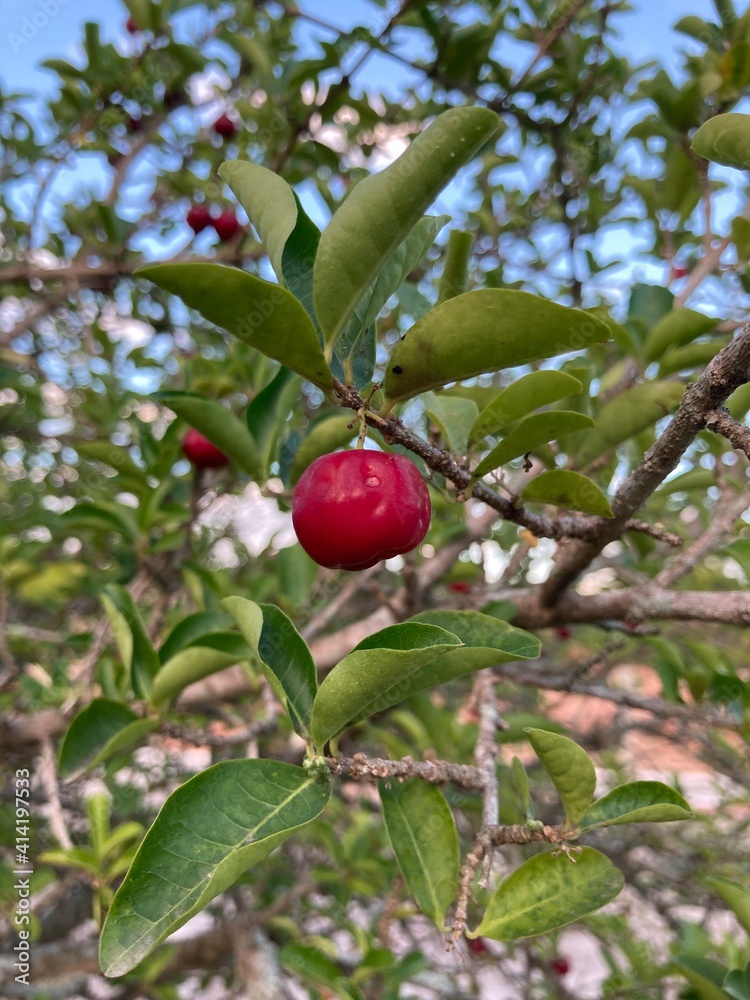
[362, 436]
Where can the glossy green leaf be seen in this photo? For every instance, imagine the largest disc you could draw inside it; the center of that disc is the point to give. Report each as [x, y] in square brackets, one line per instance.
[381, 671]
[298, 260]
[282, 653]
[326, 435]
[521, 398]
[219, 425]
[725, 139]
[455, 277]
[187, 667]
[520, 780]
[571, 769]
[548, 892]
[263, 315]
[382, 209]
[190, 630]
[636, 802]
[530, 433]
[454, 416]
[570, 490]
[487, 640]
[679, 327]
[90, 732]
[138, 655]
[737, 897]
[484, 331]
[423, 834]
[627, 415]
[268, 412]
[704, 975]
[269, 202]
[208, 833]
[737, 983]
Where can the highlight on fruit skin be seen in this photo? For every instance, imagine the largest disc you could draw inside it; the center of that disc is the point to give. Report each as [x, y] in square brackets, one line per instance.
[199, 450]
[353, 508]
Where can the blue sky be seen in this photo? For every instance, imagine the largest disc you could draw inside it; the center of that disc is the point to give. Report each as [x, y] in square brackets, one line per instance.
[34, 30]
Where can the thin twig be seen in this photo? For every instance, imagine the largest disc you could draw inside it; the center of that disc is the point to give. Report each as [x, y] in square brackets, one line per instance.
[48, 778]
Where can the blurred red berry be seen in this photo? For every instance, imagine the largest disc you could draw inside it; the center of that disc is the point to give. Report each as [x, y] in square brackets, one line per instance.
[226, 225]
[131, 27]
[559, 966]
[199, 450]
[459, 587]
[563, 632]
[198, 218]
[134, 124]
[679, 271]
[477, 945]
[225, 127]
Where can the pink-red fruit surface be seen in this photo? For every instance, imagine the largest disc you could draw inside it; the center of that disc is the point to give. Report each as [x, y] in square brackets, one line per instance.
[198, 218]
[199, 450]
[225, 127]
[226, 225]
[353, 508]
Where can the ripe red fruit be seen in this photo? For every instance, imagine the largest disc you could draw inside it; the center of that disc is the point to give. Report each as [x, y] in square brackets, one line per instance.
[225, 127]
[131, 27]
[559, 966]
[563, 632]
[679, 271]
[353, 508]
[201, 452]
[198, 218]
[460, 587]
[226, 225]
[477, 945]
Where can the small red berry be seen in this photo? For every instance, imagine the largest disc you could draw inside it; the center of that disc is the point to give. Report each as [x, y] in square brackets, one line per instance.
[559, 966]
[134, 124]
[353, 508]
[131, 27]
[226, 225]
[460, 587]
[563, 632]
[198, 218]
[679, 271]
[225, 127]
[199, 450]
[477, 945]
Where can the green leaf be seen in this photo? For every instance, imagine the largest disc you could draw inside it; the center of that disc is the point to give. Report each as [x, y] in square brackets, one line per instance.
[570, 490]
[330, 432]
[423, 834]
[267, 414]
[691, 357]
[269, 202]
[298, 260]
[219, 425]
[190, 630]
[704, 975]
[263, 315]
[520, 780]
[521, 398]
[736, 896]
[309, 962]
[207, 834]
[741, 237]
[90, 733]
[381, 671]
[455, 277]
[118, 457]
[454, 416]
[679, 327]
[283, 654]
[737, 983]
[636, 802]
[382, 209]
[138, 655]
[570, 768]
[530, 433]
[647, 305]
[548, 892]
[725, 139]
[484, 331]
[101, 517]
[187, 667]
[487, 640]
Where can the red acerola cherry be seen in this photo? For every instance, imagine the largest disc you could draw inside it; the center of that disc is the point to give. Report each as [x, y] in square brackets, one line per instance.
[477, 945]
[563, 632]
[460, 587]
[131, 27]
[559, 966]
[353, 508]
[226, 225]
[679, 271]
[201, 452]
[198, 218]
[225, 127]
